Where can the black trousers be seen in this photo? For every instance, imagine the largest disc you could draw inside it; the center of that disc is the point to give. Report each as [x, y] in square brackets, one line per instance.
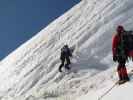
[122, 71]
[67, 60]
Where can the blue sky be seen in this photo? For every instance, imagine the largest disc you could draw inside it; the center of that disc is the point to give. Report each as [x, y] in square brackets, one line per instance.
[21, 19]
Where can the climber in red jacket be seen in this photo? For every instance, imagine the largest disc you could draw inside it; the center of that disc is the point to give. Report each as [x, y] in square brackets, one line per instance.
[120, 53]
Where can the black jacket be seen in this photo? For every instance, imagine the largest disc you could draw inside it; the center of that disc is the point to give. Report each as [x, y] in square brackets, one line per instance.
[65, 52]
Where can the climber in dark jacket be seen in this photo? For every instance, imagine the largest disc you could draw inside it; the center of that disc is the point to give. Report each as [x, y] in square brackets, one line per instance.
[65, 57]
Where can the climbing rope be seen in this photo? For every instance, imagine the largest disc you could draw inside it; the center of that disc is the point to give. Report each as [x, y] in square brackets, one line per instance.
[107, 91]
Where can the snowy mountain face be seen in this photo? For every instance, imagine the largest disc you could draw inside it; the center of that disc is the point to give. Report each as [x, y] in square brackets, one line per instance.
[31, 71]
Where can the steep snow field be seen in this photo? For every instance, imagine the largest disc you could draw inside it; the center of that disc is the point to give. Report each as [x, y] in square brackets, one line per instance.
[31, 71]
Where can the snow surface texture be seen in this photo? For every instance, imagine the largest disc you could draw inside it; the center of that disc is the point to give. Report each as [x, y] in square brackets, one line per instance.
[31, 71]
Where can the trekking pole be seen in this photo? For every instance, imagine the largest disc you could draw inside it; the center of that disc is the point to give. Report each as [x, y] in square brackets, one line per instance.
[100, 98]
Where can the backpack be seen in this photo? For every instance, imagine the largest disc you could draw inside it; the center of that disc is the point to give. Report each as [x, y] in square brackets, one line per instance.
[125, 46]
[129, 41]
[65, 52]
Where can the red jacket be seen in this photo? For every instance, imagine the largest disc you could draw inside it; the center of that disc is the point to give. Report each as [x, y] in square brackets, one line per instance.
[115, 42]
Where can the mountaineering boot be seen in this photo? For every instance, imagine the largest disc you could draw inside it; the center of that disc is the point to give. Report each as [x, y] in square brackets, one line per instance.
[123, 75]
[67, 67]
[60, 70]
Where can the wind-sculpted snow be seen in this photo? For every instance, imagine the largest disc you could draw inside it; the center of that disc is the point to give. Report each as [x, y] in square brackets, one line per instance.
[31, 71]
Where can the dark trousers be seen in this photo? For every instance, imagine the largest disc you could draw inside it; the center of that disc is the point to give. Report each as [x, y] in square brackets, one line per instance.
[67, 60]
[122, 71]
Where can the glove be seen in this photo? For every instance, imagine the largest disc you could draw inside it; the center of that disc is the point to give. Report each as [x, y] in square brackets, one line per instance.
[114, 58]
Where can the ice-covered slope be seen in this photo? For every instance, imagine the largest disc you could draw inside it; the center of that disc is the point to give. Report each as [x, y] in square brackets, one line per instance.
[111, 91]
[31, 71]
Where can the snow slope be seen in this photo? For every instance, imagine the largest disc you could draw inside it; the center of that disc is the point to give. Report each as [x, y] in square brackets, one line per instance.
[31, 71]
